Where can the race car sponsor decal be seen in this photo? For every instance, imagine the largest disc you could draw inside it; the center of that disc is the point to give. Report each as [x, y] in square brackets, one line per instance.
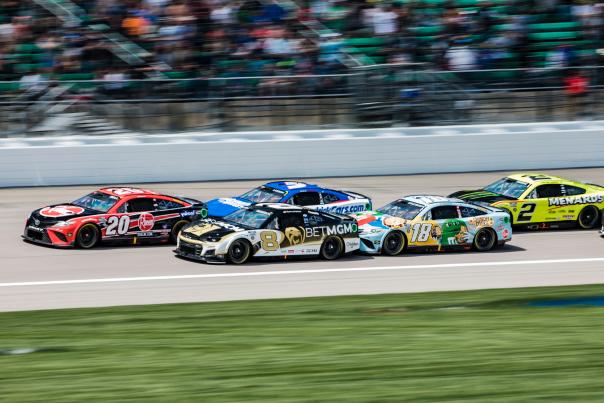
[125, 191]
[233, 202]
[366, 218]
[190, 213]
[338, 229]
[209, 224]
[394, 222]
[570, 200]
[294, 235]
[61, 211]
[481, 221]
[201, 229]
[340, 209]
[146, 222]
[452, 232]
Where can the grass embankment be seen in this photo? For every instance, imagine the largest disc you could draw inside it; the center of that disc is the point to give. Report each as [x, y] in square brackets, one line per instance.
[465, 346]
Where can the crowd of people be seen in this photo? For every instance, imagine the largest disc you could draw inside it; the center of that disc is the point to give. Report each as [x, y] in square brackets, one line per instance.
[225, 38]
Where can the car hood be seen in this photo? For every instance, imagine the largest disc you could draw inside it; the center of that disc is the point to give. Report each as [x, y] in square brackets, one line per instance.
[226, 205]
[61, 212]
[479, 195]
[203, 230]
[376, 220]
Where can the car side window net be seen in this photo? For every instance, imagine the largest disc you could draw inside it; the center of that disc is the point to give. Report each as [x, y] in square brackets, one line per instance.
[572, 190]
[140, 205]
[467, 211]
[329, 198]
[545, 191]
[307, 199]
[273, 224]
[162, 204]
[291, 220]
[444, 212]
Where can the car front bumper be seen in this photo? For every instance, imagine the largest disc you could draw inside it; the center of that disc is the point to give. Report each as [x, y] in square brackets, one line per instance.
[197, 252]
[43, 236]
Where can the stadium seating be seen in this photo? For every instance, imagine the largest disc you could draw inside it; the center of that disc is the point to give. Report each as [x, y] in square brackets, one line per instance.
[426, 33]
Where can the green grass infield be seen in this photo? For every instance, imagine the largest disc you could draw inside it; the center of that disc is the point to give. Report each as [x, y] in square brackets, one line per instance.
[475, 346]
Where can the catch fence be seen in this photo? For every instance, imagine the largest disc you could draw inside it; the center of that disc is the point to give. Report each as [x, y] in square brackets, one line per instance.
[371, 96]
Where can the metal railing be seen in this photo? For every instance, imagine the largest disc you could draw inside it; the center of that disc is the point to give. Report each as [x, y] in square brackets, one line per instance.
[375, 96]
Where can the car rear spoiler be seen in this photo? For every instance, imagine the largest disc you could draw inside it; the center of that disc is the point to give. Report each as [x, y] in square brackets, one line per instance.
[355, 195]
[190, 200]
[483, 205]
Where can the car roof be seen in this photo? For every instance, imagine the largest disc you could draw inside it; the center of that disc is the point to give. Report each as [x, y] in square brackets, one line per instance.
[126, 191]
[534, 177]
[293, 186]
[430, 200]
[276, 207]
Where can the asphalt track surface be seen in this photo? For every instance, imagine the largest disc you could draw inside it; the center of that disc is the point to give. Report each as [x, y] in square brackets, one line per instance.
[34, 277]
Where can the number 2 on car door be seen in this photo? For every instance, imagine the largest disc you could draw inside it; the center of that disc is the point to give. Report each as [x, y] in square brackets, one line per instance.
[117, 225]
[526, 212]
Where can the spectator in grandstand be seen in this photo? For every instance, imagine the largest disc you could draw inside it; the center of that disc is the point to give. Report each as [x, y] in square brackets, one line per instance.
[189, 38]
[114, 82]
[576, 87]
[383, 20]
[560, 57]
[461, 57]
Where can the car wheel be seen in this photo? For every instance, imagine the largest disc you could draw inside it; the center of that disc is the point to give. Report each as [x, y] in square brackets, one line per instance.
[176, 228]
[88, 236]
[485, 239]
[239, 252]
[393, 243]
[588, 217]
[332, 248]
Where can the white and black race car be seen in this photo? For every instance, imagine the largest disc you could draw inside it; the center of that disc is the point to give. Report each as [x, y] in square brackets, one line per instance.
[268, 229]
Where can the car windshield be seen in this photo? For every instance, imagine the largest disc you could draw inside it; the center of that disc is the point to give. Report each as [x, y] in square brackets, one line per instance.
[97, 201]
[263, 194]
[507, 187]
[401, 209]
[248, 218]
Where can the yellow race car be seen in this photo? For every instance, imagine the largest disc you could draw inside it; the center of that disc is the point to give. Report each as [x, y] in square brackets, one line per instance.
[538, 201]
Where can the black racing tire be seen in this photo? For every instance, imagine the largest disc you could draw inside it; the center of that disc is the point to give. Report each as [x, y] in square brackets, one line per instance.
[588, 217]
[394, 243]
[332, 248]
[239, 252]
[484, 240]
[176, 228]
[88, 236]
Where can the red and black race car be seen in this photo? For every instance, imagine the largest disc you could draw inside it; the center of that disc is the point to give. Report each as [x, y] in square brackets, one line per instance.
[120, 214]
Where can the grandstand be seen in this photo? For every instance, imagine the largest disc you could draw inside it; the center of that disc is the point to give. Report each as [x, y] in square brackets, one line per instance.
[80, 40]
[75, 51]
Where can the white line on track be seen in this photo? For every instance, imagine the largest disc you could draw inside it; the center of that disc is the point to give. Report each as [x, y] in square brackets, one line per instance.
[307, 271]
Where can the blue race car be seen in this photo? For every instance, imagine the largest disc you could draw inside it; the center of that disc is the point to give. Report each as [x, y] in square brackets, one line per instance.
[295, 193]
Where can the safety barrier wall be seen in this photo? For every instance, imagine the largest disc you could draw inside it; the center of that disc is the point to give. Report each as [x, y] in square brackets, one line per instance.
[200, 157]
